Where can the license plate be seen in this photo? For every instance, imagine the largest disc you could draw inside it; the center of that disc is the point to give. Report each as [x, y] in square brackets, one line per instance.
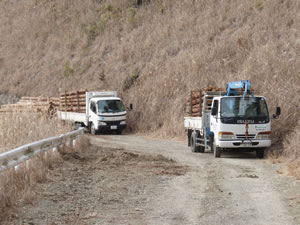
[113, 127]
[247, 144]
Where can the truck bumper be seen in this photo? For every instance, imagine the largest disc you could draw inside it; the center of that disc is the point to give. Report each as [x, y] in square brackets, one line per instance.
[254, 143]
[111, 127]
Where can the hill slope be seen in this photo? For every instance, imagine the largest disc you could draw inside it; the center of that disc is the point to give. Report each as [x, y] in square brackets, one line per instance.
[154, 54]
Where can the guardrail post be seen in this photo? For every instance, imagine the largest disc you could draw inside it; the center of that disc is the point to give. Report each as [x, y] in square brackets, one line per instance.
[74, 143]
[28, 164]
[17, 168]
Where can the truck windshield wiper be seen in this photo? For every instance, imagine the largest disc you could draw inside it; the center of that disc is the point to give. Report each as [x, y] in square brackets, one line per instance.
[228, 118]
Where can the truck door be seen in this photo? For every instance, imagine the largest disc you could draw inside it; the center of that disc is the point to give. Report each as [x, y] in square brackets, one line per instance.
[214, 119]
[93, 114]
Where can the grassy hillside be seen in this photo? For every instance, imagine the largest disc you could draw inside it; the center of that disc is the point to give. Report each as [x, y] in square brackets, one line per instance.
[154, 54]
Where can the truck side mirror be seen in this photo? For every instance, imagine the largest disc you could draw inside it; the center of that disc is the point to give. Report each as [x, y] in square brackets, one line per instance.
[214, 111]
[278, 111]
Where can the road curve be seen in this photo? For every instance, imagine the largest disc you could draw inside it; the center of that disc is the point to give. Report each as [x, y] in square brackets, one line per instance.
[235, 189]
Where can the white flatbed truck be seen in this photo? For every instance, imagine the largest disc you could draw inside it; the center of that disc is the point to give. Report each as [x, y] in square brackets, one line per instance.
[104, 112]
[231, 120]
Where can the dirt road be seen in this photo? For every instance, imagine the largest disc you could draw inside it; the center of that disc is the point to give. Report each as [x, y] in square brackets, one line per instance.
[135, 180]
[235, 189]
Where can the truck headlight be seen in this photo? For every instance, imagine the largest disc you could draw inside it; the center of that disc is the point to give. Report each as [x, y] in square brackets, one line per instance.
[226, 136]
[102, 123]
[264, 135]
[123, 122]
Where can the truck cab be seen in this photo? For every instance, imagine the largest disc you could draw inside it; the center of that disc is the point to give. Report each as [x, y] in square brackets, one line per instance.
[240, 122]
[107, 114]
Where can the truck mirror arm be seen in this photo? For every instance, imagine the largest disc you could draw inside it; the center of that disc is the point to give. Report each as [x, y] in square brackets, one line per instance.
[277, 113]
[130, 108]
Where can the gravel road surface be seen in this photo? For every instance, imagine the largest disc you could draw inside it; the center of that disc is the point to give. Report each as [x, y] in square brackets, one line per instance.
[235, 189]
[126, 179]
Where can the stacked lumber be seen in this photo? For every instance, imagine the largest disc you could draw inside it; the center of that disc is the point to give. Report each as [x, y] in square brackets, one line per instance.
[73, 101]
[194, 101]
[32, 105]
[27, 99]
[211, 88]
[55, 101]
[67, 101]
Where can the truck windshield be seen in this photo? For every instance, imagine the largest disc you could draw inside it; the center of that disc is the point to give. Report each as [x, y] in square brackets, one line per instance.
[239, 109]
[110, 106]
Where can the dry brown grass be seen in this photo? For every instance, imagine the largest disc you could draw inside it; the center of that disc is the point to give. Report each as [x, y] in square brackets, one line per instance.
[17, 184]
[23, 128]
[294, 169]
[292, 152]
[82, 144]
[292, 143]
[153, 55]
[18, 129]
[288, 154]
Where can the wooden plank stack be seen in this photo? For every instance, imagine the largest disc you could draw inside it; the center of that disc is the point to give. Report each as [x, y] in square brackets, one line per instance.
[73, 101]
[194, 101]
[32, 104]
[67, 101]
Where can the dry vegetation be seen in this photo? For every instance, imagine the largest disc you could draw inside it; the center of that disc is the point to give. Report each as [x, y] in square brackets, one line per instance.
[292, 152]
[18, 129]
[23, 128]
[17, 184]
[154, 54]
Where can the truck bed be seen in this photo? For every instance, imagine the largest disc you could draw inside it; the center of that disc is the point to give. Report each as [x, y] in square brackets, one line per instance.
[72, 116]
[194, 123]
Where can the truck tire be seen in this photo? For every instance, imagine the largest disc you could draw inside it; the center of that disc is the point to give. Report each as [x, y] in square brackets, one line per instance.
[217, 151]
[189, 134]
[195, 148]
[260, 153]
[193, 142]
[201, 149]
[93, 129]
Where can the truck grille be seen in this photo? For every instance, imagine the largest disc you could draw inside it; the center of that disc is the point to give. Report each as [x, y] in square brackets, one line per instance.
[242, 136]
[111, 123]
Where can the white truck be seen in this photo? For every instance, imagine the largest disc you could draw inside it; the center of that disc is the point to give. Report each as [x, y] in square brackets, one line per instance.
[231, 120]
[104, 111]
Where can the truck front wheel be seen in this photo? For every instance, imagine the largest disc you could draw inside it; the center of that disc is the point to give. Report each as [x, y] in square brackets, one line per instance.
[260, 153]
[93, 129]
[119, 131]
[217, 151]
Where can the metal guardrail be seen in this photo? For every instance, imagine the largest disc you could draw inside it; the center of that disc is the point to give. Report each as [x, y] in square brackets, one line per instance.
[18, 155]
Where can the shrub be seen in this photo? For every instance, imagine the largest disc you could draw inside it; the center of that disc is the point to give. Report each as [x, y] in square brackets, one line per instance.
[68, 70]
[132, 17]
